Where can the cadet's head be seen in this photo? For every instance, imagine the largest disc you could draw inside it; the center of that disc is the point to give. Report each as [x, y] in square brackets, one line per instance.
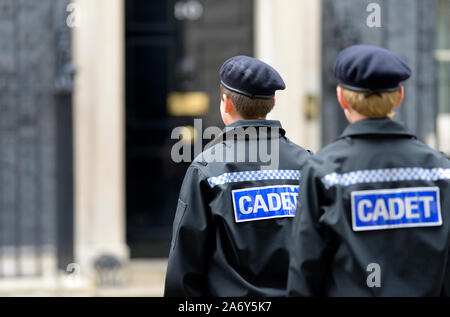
[247, 89]
[369, 81]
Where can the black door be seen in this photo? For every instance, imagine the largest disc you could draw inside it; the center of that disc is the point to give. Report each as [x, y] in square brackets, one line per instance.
[171, 47]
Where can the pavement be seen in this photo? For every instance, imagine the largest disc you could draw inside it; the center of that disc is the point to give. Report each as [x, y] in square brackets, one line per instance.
[140, 278]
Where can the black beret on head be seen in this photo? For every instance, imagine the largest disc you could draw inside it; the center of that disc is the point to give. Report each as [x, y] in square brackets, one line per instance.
[250, 77]
[371, 69]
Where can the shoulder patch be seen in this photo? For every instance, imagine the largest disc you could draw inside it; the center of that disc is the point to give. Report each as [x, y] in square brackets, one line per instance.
[395, 208]
[258, 203]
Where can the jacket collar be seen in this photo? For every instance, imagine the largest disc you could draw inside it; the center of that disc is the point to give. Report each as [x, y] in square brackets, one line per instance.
[255, 123]
[379, 126]
[242, 124]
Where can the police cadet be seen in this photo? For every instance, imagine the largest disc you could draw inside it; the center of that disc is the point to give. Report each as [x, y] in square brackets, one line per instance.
[373, 216]
[233, 219]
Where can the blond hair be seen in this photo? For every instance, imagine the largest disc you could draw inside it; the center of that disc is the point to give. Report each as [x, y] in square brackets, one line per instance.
[373, 106]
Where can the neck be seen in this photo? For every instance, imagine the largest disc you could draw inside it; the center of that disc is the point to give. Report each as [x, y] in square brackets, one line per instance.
[353, 115]
[357, 117]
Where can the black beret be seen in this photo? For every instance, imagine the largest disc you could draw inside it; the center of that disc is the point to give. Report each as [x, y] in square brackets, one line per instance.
[371, 69]
[250, 77]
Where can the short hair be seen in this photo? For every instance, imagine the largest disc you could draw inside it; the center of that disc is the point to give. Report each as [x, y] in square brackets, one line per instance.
[249, 108]
[374, 106]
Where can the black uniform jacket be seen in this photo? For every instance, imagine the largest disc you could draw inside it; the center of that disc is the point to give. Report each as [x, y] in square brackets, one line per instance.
[373, 217]
[218, 251]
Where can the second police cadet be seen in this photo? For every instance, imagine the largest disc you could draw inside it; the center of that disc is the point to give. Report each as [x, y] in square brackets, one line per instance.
[376, 198]
[233, 219]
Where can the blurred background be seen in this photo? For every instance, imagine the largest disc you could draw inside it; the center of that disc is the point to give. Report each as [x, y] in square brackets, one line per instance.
[90, 92]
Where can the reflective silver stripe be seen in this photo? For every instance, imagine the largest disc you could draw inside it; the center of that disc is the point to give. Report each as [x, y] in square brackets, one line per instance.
[253, 176]
[386, 175]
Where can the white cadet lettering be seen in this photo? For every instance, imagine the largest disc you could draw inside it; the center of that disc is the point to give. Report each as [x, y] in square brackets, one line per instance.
[426, 203]
[380, 210]
[396, 208]
[274, 202]
[286, 201]
[367, 203]
[241, 205]
[401, 208]
[410, 207]
[259, 203]
[271, 198]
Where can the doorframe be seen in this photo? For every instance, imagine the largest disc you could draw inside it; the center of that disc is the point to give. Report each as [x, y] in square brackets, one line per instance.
[98, 54]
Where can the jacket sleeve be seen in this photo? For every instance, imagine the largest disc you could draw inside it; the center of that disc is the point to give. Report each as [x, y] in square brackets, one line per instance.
[187, 263]
[446, 285]
[310, 247]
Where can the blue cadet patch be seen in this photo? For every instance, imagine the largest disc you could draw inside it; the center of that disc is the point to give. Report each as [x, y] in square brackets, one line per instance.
[395, 208]
[258, 203]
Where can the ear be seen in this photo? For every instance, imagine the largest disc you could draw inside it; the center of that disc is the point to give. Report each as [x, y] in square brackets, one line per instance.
[401, 96]
[228, 104]
[340, 97]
